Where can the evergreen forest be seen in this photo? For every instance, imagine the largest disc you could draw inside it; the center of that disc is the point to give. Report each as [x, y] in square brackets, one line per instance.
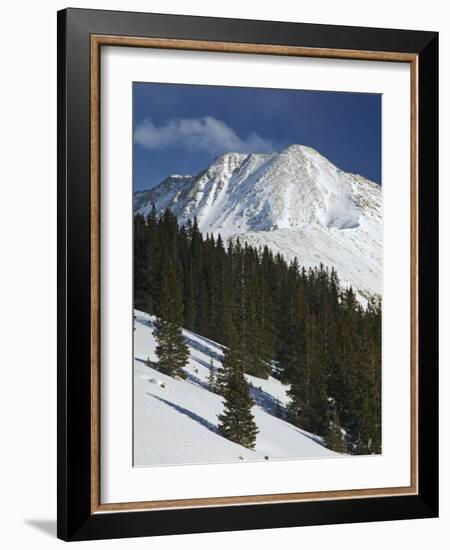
[275, 318]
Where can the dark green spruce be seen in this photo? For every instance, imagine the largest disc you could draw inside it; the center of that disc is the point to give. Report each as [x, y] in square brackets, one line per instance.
[334, 437]
[237, 422]
[171, 349]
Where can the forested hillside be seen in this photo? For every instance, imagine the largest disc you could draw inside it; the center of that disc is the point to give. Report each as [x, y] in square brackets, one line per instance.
[298, 325]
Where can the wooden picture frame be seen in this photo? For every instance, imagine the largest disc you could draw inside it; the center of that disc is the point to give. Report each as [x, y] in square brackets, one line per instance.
[81, 35]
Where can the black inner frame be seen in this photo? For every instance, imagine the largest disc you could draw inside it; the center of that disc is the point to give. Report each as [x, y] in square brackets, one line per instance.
[75, 521]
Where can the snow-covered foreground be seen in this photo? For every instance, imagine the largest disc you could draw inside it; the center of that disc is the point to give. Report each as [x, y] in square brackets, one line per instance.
[175, 421]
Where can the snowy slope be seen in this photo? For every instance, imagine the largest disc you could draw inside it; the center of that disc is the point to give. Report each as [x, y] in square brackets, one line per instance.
[296, 201]
[166, 193]
[175, 421]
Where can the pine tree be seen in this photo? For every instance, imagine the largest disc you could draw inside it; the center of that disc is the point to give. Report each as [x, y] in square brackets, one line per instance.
[334, 438]
[172, 351]
[237, 422]
[222, 376]
[142, 266]
[259, 329]
[212, 380]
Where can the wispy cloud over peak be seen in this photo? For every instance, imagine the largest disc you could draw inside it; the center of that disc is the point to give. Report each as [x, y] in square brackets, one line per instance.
[205, 134]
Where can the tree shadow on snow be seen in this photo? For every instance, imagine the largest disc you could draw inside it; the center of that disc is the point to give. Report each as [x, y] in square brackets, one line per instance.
[193, 416]
[268, 403]
[147, 363]
[207, 340]
[145, 322]
[196, 380]
[193, 344]
[264, 400]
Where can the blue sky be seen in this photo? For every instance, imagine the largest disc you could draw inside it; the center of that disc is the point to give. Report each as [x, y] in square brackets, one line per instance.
[181, 129]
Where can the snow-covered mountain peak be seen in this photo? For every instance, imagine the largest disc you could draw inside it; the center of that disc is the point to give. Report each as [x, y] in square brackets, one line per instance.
[301, 150]
[295, 200]
[299, 154]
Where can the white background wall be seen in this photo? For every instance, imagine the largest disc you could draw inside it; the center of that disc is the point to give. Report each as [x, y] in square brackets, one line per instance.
[28, 272]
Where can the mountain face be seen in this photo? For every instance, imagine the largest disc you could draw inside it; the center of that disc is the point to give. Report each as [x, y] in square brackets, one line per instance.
[295, 201]
[163, 194]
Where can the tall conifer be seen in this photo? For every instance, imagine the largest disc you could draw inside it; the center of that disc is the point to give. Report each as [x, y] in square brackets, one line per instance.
[334, 437]
[171, 350]
[237, 422]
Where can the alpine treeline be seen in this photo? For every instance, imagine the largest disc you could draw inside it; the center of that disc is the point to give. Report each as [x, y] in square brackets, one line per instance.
[296, 324]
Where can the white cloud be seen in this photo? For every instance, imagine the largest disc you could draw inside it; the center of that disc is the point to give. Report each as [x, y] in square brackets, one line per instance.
[205, 134]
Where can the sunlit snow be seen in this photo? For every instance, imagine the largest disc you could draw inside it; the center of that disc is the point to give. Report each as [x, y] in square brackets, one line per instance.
[175, 421]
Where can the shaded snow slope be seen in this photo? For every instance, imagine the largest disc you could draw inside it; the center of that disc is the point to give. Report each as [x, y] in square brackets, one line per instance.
[175, 421]
[295, 201]
[165, 194]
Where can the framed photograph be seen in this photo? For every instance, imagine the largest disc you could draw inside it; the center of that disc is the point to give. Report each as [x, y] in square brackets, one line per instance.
[247, 274]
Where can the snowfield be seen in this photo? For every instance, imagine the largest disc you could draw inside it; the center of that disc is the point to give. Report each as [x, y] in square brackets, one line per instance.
[175, 421]
[294, 201]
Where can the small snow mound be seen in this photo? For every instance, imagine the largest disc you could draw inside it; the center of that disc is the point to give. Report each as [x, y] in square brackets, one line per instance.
[157, 382]
[341, 219]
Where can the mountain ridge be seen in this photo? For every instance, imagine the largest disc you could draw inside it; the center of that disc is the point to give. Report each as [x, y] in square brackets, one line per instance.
[295, 201]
